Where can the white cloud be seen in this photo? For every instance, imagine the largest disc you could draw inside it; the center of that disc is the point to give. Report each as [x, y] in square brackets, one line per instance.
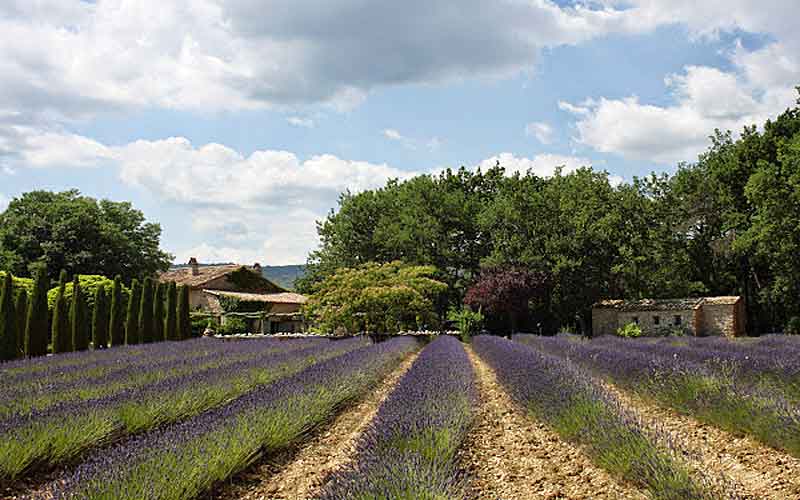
[301, 122]
[431, 144]
[705, 99]
[541, 131]
[393, 134]
[543, 165]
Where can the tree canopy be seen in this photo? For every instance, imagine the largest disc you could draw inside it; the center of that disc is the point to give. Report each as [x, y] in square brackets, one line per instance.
[725, 224]
[79, 234]
[376, 298]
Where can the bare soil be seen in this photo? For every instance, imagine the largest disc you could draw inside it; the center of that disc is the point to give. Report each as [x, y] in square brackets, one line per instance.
[301, 472]
[750, 469]
[511, 456]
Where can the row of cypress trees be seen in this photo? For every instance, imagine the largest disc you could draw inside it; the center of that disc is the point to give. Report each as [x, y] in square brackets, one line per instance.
[154, 312]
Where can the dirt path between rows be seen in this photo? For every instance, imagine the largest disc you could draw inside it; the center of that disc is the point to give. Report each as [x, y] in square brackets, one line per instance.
[751, 469]
[510, 456]
[298, 474]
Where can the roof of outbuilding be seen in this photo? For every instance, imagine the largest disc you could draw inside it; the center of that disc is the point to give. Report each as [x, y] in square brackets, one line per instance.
[663, 304]
[184, 276]
[273, 298]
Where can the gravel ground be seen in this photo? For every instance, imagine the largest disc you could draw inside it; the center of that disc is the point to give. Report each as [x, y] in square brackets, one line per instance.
[511, 456]
[300, 473]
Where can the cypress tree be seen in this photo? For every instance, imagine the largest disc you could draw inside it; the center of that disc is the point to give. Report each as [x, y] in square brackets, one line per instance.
[79, 318]
[171, 323]
[116, 323]
[8, 320]
[100, 319]
[36, 323]
[132, 319]
[158, 312]
[146, 312]
[22, 313]
[184, 324]
[60, 329]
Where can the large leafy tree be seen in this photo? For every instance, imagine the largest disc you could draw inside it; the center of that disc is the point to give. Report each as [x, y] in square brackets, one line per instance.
[79, 234]
[508, 292]
[377, 298]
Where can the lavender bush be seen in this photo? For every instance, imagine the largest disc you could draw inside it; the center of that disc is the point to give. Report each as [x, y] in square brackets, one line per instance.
[408, 450]
[62, 431]
[185, 459]
[674, 379]
[567, 399]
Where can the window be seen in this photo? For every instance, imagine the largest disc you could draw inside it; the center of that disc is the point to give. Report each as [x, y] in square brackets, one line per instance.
[678, 320]
[636, 319]
[656, 320]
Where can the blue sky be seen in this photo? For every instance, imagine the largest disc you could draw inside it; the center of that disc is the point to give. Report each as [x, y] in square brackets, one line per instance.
[236, 123]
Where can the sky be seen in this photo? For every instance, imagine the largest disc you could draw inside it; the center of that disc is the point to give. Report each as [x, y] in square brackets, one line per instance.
[235, 124]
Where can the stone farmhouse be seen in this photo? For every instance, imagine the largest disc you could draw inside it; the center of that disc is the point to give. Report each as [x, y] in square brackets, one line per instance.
[273, 309]
[696, 316]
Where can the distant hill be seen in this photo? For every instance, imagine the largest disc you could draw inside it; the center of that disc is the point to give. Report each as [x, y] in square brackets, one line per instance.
[283, 276]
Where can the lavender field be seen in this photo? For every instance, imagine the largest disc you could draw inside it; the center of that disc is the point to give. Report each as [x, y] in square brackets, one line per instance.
[552, 417]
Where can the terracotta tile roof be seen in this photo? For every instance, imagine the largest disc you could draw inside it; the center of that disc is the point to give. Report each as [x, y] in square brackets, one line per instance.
[184, 276]
[273, 298]
[663, 304]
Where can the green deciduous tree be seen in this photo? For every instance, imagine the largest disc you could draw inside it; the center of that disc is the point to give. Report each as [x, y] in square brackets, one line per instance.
[79, 318]
[60, 337]
[21, 307]
[79, 234]
[116, 324]
[132, 317]
[158, 311]
[100, 319]
[36, 323]
[184, 324]
[8, 320]
[377, 298]
[171, 321]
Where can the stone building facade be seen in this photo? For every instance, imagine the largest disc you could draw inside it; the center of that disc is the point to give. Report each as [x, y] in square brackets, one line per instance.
[695, 316]
[207, 283]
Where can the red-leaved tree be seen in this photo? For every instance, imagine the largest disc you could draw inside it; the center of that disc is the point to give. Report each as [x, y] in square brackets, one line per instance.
[507, 291]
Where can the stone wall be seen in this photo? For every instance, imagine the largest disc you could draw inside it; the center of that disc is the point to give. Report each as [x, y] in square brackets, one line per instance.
[666, 320]
[604, 321]
[723, 319]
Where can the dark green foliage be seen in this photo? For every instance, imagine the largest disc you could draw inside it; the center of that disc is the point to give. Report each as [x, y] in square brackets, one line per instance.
[146, 312]
[78, 318]
[88, 284]
[171, 321]
[21, 307]
[80, 234]
[116, 324]
[158, 311]
[36, 323]
[8, 320]
[60, 336]
[232, 325]
[184, 324]
[132, 318]
[100, 319]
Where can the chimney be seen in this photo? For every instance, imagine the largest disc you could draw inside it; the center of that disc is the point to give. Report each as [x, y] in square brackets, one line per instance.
[257, 268]
[195, 266]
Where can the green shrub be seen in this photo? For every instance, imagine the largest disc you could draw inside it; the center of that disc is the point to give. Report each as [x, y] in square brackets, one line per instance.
[631, 330]
[467, 321]
[88, 284]
[793, 326]
[232, 325]
[201, 322]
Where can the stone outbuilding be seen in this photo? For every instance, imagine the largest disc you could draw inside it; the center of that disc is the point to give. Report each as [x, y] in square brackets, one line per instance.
[701, 316]
[278, 309]
[279, 312]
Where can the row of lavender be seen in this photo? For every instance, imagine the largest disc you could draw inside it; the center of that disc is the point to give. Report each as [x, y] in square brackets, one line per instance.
[744, 392]
[571, 402]
[36, 438]
[409, 449]
[187, 458]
